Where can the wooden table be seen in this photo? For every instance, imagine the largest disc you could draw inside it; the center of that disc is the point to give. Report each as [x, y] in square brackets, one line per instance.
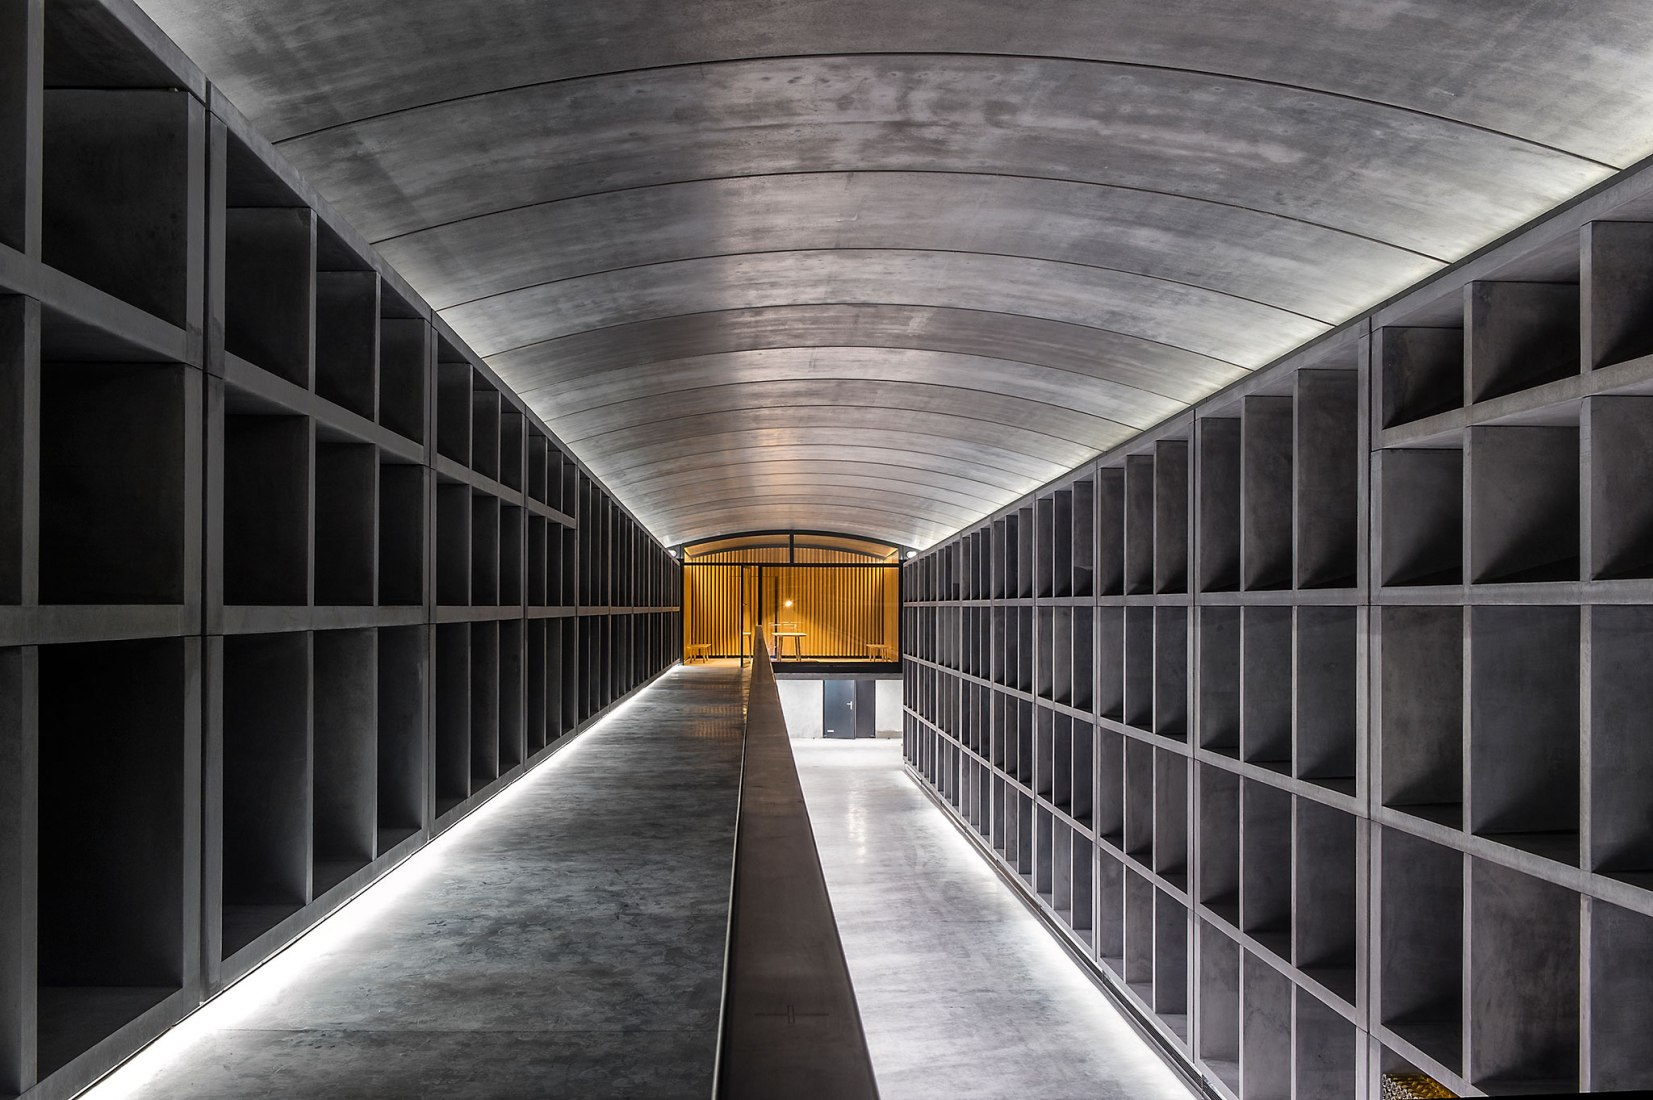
[797, 644]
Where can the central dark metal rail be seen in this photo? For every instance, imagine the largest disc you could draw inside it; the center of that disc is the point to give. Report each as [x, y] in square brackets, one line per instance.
[790, 1026]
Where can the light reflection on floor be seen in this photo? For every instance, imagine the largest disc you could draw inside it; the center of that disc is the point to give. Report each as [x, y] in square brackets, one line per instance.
[963, 993]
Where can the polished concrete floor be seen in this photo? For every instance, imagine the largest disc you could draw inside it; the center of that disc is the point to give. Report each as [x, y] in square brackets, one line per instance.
[963, 994]
[565, 941]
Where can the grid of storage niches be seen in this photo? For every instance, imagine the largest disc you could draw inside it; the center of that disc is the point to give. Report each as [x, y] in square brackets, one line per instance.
[287, 581]
[1367, 735]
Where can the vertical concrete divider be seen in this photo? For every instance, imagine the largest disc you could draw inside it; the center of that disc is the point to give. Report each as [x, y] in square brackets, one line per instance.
[790, 1025]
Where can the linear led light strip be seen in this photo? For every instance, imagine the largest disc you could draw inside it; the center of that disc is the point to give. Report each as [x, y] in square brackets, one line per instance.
[261, 986]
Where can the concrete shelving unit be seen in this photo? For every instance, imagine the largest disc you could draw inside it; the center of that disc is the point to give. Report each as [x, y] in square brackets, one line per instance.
[288, 579]
[1357, 653]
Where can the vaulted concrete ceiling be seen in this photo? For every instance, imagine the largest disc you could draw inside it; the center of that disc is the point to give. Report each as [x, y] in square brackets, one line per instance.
[882, 267]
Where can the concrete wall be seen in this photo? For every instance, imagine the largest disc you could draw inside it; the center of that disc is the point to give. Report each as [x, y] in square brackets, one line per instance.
[801, 700]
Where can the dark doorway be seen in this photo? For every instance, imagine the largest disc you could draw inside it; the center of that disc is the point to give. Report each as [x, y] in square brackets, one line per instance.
[849, 708]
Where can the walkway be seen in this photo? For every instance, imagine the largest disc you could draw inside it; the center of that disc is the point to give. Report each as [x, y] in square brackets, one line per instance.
[567, 940]
[963, 994]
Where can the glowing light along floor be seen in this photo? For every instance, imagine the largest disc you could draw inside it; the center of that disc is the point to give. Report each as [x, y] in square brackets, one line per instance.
[963, 994]
[565, 940]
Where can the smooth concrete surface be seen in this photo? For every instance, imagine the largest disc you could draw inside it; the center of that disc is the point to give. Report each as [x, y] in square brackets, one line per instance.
[963, 993]
[802, 700]
[566, 940]
[1191, 187]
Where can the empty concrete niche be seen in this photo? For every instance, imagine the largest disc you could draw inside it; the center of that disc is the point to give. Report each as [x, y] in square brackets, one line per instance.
[1138, 527]
[1523, 982]
[1171, 516]
[402, 679]
[269, 287]
[1082, 551]
[1110, 663]
[1171, 964]
[570, 476]
[452, 719]
[1081, 884]
[1110, 786]
[539, 578]
[1083, 805]
[1082, 695]
[1621, 834]
[266, 784]
[1110, 525]
[113, 490]
[1420, 930]
[453, 543]
[1051, 776]
[15, 86]
[346, 726]
[1061, 655]
[1326, 679]
[1325, 866]
[1044, 672]
[1171, 672]
[1218, 1004]
[1219, 841]
[1621, 998]
[123, 194]
[564, 566]
[1265, 865]
[1524, 728]
[1523, 503]
[567, 683]
[1044, 857]
[1025, 551]
[511, 426]
[1139, 936]
[1218, 640]
[510, 555]
[1061, 544]
[118, 842]
[404, 366]
[538, 447]
[1420, 692]
[19, 354]
[1044, 513]
[401, 534]
[1266, 492]
[1171, 817]
[1620, 448]
[1024, 649]
[1325, 1046]
[1326, 469]
[1139, 801]
[1421, 516]
[1023, 862]
[1218, 507]
[1139, 667]
[1024, 754]
[484, 429]
[1421, 372]
[347, 514]
[1519, 335]
[485, 550]
[1265, 686]
[1110, 913]
[453, 406]
[267, 453]
[1618, 289]
[484, 704]
[511, 719]
[1265, 1031]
